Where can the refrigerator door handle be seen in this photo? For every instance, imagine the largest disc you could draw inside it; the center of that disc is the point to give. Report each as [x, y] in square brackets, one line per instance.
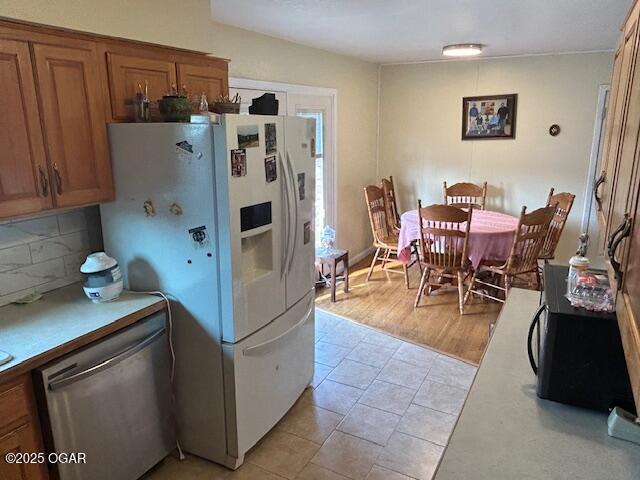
[295, 214]
[284, 252]
[261, 347]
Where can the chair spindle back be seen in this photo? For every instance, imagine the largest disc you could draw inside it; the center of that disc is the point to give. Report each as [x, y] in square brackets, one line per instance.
[563, 203]
[377, 213]
[530, 235]
[444, 235]
[464, 194]
[391, 205]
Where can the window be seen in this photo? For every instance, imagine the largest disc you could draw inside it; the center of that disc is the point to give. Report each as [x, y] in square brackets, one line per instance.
[318, 116]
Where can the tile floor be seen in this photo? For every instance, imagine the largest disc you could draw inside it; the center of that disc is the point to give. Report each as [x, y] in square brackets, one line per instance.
[378, 408]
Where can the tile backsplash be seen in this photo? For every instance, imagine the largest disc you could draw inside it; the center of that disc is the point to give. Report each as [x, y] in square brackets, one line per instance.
[45, 252]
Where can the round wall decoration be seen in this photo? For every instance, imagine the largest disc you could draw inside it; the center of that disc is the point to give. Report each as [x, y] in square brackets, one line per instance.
[554, 130]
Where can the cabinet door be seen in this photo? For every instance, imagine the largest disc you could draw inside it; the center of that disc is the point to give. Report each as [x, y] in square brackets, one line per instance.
[24, 179]
[127, 72]
[72, 102]
[608, 160]
[212, 80]
[627, 53]
[622, 194]
[628, 303]
[22, 439]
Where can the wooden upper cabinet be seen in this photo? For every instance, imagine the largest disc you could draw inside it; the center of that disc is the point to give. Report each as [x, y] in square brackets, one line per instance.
[608, 157]
[24, 184]
[127, 72]
[213, 80]
[59, 89]
[73, 111]
[618, 115]
[622, 193]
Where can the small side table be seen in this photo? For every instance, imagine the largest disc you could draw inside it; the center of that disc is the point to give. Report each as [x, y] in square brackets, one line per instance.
[332, 257]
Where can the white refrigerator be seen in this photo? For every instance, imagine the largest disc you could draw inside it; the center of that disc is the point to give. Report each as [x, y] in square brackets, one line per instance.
[220, 218]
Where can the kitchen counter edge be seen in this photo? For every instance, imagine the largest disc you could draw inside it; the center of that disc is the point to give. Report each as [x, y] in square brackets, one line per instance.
[74, 295]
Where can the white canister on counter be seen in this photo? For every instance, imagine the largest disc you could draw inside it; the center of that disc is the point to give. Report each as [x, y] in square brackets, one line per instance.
[103, 279]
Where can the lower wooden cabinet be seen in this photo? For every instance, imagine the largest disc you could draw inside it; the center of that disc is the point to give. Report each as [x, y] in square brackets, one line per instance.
[19, 430]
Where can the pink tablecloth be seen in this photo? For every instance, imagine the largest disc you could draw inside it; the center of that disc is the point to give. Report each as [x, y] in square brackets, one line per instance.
[490, 236]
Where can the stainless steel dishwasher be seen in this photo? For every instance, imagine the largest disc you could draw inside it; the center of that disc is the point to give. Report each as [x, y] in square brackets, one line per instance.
[112, 401]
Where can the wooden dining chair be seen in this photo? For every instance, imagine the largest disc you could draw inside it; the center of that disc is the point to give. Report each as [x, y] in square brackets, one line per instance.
[530, 235]
[563, 203]
[443, 246]
[462, 194]
[390, 203]
[393, 216]
[385, 239]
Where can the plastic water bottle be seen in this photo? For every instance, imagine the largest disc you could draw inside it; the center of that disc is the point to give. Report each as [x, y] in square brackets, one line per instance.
[578, 264]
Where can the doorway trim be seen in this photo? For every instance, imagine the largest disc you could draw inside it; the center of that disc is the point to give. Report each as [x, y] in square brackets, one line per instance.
[596, 144]
[332, 173]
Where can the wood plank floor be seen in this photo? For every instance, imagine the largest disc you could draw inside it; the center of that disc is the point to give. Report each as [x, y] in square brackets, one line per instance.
[385, 303]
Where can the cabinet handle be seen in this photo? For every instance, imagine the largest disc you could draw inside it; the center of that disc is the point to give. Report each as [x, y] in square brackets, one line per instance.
[596, 188]
[623, 231]
[56, 171]
[44, 183]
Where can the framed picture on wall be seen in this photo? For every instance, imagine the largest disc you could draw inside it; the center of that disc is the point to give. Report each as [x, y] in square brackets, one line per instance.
[490, 116]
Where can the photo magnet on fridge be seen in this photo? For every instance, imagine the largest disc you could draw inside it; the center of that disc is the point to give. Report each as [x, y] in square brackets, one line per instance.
[238, 162]
[184, 150]
[184, 147]
[248, 136]
[199, 236]
[270, 141]
[307, 232]
[270, 169]
[301, 186]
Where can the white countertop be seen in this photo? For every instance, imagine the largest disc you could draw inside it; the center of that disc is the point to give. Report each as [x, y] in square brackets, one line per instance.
[506, 432]
[61, 317]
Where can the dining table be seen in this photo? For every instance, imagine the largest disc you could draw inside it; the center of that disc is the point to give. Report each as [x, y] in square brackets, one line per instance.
[491, 235]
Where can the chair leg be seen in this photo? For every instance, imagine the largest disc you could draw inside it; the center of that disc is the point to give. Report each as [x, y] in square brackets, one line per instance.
[334, 268]
[538, 279]
[471, 285]
[345, 263]
[415, 250]
[385, 259]
[507, 285]
[423, 281]
[406, 275]
[461, 292]
[373, 263]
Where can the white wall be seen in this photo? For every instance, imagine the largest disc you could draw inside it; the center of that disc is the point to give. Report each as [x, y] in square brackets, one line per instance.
[420, 130]
[187, 24]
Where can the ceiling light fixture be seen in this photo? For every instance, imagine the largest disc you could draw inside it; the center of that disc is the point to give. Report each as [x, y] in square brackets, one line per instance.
[462, 50]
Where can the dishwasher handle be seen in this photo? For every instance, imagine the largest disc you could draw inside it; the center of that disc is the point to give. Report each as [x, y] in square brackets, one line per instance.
[109, 362]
